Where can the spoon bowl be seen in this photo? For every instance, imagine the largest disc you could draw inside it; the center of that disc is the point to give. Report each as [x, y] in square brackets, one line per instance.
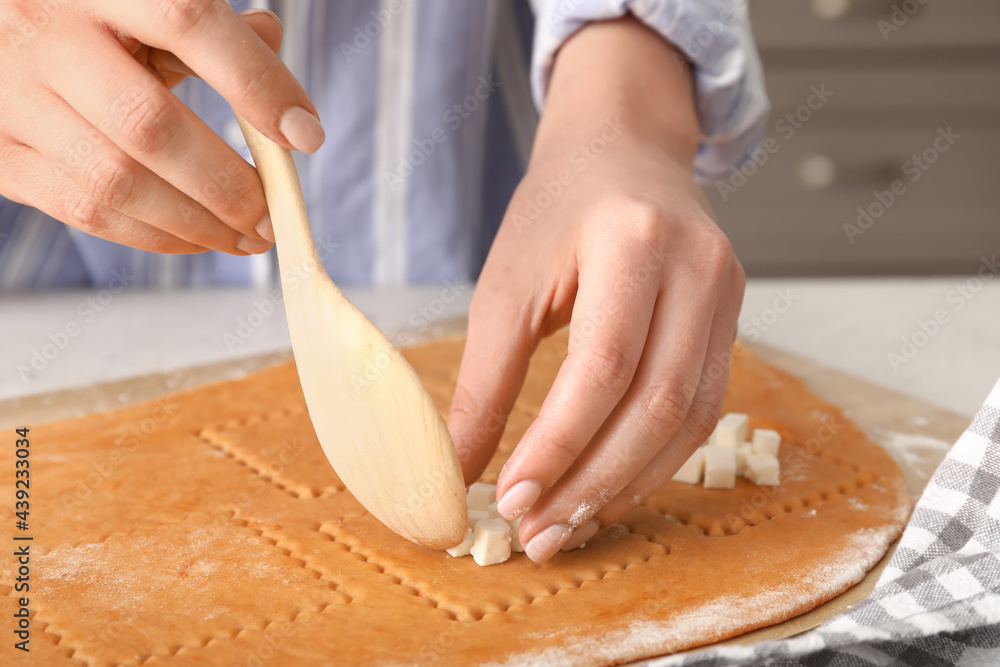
[374, 418]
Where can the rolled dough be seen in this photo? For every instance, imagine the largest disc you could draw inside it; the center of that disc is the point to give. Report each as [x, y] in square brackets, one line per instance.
[208, 527]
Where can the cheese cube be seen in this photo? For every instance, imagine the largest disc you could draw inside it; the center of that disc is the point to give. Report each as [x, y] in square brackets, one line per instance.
[732, 431]
[477, 515]
[766, 441]
[491, 542]
[693, 468]
[492, 511]
[720, 467]
[481, 495]
[742, 452]
[463, 549]
[711, 438]
[515, 541]
[763, 470]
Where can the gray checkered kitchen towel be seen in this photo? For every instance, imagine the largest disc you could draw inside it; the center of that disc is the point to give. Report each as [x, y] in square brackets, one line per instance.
[938, 601]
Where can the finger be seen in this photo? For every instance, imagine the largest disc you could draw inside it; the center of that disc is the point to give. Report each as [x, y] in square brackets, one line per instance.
[172, 70]
[128, 104]
[606, 337]
[657, 406]
[650, 413]
[267, 25]
[704, 411]
[118, 182]
[51, 191]
[498, 346]
[216, 43]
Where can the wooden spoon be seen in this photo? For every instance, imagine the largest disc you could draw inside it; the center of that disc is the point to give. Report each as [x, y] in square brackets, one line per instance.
[374, 418]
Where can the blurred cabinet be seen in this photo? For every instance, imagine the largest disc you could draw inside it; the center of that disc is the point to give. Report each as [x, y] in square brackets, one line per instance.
[882, 146]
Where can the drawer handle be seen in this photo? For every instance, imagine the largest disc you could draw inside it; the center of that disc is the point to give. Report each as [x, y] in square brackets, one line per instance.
[831, 10]
[819, 172]
[839, 10]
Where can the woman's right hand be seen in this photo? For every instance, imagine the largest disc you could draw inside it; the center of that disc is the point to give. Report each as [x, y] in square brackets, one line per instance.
[91, 134]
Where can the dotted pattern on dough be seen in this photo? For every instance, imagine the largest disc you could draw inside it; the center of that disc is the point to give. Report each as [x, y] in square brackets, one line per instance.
[733, 525]
[707, 526]
[215, 436]
[462, 608]
[474, 612]
[274, 539]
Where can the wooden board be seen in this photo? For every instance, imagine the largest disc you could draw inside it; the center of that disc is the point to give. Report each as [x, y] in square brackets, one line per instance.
[882, 413]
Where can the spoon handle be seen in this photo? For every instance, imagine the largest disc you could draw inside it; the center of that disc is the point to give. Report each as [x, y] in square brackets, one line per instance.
[283, 191]
[377, 424]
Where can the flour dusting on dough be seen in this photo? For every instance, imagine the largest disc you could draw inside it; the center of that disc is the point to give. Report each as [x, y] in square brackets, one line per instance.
[856, 504]
[913, 450]
[722, 616]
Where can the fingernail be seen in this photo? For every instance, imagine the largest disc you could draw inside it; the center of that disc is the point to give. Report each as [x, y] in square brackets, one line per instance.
[253, 246]
[546, 543]
[519, 499]
[582, 534]
[255, 12]
[302, 129]
[265, 228]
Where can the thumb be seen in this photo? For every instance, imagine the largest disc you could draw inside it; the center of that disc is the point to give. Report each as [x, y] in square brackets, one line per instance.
[498, 347]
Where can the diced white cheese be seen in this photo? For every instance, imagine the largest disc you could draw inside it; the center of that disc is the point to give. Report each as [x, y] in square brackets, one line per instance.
[491, 543]
[463, 549]
[763, 469]
[732, 431]
[515, 541]
[720, 467]
[693, 468]
[742, 452]
[477, 515]
[492, 511]
[766, 441]
[481, 495]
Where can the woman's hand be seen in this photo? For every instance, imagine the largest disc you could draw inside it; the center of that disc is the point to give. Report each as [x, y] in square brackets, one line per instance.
[91, 134]
[609, 233]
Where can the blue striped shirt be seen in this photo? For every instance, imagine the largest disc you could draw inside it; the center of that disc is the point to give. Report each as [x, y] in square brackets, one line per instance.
[430, 109]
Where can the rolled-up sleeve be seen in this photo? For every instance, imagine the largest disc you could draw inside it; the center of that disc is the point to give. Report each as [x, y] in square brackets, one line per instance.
[715, 37]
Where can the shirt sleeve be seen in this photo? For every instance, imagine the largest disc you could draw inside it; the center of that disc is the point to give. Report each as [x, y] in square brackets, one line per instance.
[713, 34]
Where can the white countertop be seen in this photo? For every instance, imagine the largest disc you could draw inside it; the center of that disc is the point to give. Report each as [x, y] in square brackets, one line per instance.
[79, 338]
